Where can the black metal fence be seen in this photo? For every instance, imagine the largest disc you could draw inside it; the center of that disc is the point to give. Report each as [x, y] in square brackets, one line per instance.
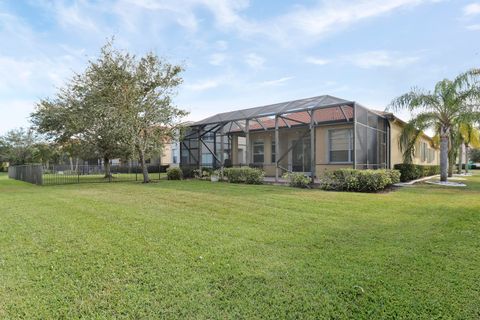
[29, 173]
[67, 174]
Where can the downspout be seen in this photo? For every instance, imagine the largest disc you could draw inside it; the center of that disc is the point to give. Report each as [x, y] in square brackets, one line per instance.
[354, 136]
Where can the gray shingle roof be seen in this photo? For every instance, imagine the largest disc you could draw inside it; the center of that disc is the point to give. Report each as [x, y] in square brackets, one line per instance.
[274, 109]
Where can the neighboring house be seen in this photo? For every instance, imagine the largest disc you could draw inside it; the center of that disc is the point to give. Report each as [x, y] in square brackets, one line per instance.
[327, 131]
[170, 156]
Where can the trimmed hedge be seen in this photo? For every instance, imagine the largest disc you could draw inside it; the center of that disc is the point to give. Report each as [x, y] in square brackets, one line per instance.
[174, 173]
[359, 180]
[410, 171]
[297, 180]
[244, 175]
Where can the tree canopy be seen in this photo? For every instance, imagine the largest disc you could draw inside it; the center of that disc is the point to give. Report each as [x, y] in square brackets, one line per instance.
[450, 103]
[121, 105]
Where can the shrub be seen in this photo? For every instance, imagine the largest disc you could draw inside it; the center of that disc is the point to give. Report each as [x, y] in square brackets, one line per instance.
[297, 180]
[174, 174]
[359, 180]
[394, 176]
[244, 175]
[410, 171]
[202, 174]
[188, 172]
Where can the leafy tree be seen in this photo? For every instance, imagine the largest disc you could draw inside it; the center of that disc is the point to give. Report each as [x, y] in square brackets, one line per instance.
[91, 107]
[450, 103]
[152, 117]
[474, 155]
[44, 152]
[19, 146]
[470, 137]
[121, 105]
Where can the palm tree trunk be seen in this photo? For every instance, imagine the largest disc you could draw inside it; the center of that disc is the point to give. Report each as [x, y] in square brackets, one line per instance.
[460, 159]
[466, 157]
[444, 154]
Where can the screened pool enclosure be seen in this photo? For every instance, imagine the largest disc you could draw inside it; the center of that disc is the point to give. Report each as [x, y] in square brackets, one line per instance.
[308, 135]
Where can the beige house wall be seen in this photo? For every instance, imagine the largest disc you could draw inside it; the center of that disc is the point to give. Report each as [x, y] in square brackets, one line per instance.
[396, 154]
[322, 158]
[321, 147]
[286, 136]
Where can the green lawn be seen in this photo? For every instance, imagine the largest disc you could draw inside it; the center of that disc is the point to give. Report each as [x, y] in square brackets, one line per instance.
[195, 249]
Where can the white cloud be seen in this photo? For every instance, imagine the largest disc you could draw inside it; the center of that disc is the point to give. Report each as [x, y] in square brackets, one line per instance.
[221, 45]
[17, 113]
[254, 60]
[276, 82]
[311, 23]
[380, 58]
[474, 27]
[317, 61]
[203, 85]
[217, 59]
[471, 9]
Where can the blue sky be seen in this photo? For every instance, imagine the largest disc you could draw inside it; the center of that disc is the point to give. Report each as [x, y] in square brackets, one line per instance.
[241, 53]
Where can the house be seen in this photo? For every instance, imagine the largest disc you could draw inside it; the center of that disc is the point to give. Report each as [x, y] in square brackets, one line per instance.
[326, 131]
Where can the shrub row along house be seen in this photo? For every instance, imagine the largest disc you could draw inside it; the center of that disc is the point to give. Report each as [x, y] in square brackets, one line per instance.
[325, 131]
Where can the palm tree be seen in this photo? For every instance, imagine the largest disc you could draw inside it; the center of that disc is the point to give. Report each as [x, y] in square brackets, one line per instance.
[470, 137]
[449, 103]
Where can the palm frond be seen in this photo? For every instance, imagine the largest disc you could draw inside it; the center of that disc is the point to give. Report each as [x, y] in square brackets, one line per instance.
[412, 132]
[414, 100]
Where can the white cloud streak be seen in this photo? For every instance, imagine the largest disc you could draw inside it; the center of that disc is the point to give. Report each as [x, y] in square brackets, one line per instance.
[380, 58]
[471, 9]
[254, 61]
[317, 61]
[203, 85]
[276, 82]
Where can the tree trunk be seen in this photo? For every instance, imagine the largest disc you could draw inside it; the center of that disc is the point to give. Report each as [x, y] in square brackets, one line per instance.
[71, 163]
[76, 164]
[466, 158]
[444, 137]
[146, 178]
[460, 159]
[106, 163]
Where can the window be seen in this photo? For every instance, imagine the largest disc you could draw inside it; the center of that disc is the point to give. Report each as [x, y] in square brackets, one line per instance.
[431, 155]
[423, 151]
[340, 145]
[258, 151]
[274, 150]
[207, 159]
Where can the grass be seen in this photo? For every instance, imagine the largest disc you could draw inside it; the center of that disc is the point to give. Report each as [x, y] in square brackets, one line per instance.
[195, 249]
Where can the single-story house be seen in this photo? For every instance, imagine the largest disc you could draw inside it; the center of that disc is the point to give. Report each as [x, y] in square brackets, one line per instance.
[326, 131]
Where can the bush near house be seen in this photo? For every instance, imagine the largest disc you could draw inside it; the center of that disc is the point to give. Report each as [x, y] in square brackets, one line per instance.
[297, 180]
[410, 171]
[202, 174]
[244, 175]
[174, 174]
[359, 180]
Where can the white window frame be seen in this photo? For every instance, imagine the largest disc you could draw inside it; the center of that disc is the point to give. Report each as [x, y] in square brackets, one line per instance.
[350, 145]
[258, 142]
